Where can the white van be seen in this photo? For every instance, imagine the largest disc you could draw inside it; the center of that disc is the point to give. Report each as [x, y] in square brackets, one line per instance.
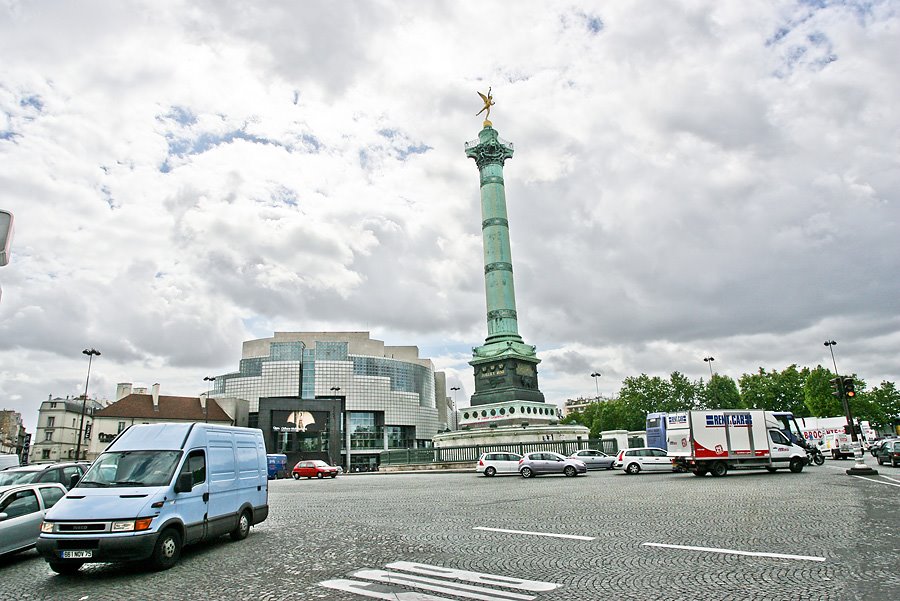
[156, 488]
[8, 460]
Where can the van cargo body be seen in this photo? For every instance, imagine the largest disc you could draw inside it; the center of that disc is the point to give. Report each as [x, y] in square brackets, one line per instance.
[715, 441]
[158, 487]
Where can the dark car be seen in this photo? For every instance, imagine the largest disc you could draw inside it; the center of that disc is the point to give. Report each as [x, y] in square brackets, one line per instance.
[888, 452]
[43, 472]
[314, 469]
[546, 462]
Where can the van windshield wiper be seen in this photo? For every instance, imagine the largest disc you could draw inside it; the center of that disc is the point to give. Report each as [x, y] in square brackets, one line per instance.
[93, 483]
[128, 483]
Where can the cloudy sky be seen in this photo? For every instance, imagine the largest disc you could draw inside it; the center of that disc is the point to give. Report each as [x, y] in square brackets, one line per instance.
[690, 179]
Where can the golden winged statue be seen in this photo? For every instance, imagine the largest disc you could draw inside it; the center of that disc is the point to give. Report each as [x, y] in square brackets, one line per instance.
[488, 102]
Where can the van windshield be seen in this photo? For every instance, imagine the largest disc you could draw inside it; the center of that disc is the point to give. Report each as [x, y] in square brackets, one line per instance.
[132, 468]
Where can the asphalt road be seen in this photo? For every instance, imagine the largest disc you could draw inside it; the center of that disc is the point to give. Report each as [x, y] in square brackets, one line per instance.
[820, 534]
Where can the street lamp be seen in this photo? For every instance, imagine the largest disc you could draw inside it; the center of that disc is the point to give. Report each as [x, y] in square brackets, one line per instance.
[209, 386]
[860, 467]
[709, 361]
[596, 375]
[91, 353]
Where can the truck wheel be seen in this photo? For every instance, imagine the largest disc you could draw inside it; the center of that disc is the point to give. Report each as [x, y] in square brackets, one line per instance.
[718, 469]
[835, 455]
[796, 465]
[243, 527]
[489, 471]
[633, 468]
[66, 568]
[771, 469]
[167, 550]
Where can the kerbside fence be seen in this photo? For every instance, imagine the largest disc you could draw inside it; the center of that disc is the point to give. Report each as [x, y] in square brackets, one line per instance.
[464, 454]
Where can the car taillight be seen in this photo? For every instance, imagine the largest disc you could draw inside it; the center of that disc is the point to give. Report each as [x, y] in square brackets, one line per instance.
[481, 462]
[620, 455]
[521, 460]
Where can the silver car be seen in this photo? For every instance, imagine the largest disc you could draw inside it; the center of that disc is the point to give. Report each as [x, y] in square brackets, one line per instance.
[546, 462]
[594, 460]
[22, 509]
[43, 472]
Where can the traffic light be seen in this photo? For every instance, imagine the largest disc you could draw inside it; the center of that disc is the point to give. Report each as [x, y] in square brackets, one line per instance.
[849, 389]
[836, 382]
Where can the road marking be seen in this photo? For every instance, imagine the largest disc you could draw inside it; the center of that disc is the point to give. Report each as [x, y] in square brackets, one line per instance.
[572, 536]
[361, 588]
[878, 481]
[476, 577]
[733, 552]
[458, 589]
[891, 479]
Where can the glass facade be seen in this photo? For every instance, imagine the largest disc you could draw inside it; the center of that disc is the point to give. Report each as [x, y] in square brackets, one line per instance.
[391, 401]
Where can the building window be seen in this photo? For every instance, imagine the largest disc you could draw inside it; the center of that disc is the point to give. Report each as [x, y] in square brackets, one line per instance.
[401, 437]
[45, 454]
[121, 426]
[50, 421]
[365, 433]
[73, 422]
[48, 435]
[53, 405]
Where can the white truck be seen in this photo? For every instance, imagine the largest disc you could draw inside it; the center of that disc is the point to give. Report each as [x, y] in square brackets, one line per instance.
[716, 441]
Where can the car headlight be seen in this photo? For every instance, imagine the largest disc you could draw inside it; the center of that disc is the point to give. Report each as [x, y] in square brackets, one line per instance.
[123, 526]
[47, 527]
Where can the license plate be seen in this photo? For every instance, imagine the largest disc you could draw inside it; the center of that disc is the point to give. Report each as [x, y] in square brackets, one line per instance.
[76, 554]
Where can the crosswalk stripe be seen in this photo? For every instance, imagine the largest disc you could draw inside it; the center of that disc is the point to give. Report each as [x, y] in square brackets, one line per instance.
[475, 577]
[361, 588]
[458, 589]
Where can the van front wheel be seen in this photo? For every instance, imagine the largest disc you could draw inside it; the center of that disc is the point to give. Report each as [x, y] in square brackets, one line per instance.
[167, 549]
[243, 527]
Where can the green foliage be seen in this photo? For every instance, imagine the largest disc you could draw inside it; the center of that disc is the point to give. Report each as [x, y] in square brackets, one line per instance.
[880, 406]
[722, 393]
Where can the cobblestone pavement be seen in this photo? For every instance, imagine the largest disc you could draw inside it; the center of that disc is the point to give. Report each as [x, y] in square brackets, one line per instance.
[328, 530]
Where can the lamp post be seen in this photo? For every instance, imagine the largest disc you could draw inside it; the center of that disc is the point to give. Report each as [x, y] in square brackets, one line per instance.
[209, 386]
[336, 390]
[596, 375]
[860, 467]
[91, 353]
[454, 389]
[709, 361]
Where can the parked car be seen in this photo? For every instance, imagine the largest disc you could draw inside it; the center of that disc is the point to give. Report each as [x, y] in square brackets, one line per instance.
[876, 445]
[43, 472]
[633, 461]
[22, 508]
[546, 462]
[490, 464]
[888, 452]
[314, 469]
[594, 460]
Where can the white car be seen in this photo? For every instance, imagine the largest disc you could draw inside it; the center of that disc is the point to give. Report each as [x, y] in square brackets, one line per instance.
[491, 464]
[633, 461]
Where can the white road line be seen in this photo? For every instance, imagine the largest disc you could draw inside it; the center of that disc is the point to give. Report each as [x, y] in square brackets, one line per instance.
[572, 536]
[878, 481]
[476, 577]
[361, 588]
[733, 552]
[891, 479]
[458, 589]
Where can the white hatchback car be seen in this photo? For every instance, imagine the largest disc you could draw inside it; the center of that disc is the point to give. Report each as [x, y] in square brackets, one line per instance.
[633, 461]
[491, 464]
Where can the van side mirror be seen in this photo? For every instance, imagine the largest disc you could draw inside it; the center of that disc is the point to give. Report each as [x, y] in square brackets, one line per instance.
[3, 516]
[73, 481]
[185, 483]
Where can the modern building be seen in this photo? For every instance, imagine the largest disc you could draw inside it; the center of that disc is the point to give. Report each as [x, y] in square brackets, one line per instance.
[59, 420]
[312, 393]
[139, 408]
[578, 405]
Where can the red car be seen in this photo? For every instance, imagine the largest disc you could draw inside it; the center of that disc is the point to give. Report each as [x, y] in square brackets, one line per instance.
[317, 469]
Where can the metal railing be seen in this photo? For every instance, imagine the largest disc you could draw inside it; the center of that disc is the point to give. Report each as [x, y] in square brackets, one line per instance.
[471, 453]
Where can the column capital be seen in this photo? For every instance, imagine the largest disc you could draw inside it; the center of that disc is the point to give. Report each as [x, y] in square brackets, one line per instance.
[489, 148]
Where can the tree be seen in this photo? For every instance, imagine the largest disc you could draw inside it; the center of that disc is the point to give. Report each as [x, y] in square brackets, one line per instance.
[880, 406]
[722, 393]
[818, 394]
[775, 391]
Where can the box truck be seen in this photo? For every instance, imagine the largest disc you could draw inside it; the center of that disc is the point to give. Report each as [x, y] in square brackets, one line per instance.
[156, 488]
[717, 441]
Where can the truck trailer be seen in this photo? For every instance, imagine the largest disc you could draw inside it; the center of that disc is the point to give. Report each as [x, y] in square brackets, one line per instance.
[713, 442]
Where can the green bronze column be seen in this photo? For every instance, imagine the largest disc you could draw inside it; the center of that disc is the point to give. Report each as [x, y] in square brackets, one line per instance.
[505, 367]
